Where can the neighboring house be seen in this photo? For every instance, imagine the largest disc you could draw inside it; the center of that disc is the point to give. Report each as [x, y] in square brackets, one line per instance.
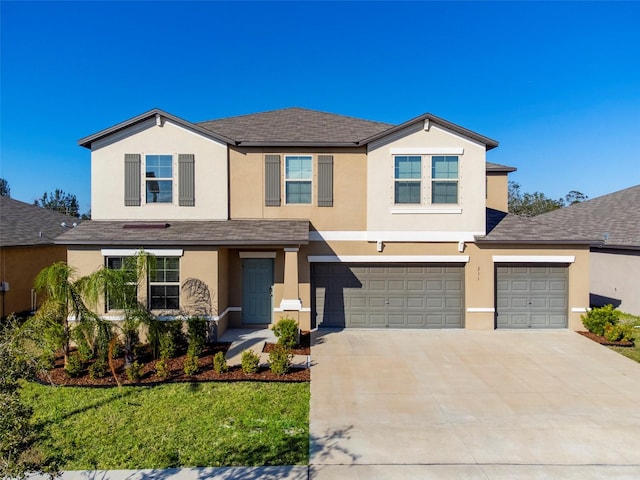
[26, 247]
[615, 262]
[331, 220]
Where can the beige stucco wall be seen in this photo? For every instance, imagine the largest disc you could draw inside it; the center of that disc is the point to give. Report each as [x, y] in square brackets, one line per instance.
[617, 276]
[498, 191]
[107, 173]
[19, 266]
[471, 186]
[246, 170]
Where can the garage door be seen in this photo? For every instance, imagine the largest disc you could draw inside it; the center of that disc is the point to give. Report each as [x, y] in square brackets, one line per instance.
[531, 296]
[395, 296]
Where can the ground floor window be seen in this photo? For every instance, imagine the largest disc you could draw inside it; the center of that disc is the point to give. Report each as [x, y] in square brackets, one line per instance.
[123, 293]
[164, 284]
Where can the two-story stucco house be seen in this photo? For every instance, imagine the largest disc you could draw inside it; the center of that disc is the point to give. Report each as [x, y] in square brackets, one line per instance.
[332, 220]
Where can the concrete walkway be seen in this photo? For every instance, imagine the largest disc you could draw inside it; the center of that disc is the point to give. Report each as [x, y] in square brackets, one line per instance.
[467, 404]
[242, 339]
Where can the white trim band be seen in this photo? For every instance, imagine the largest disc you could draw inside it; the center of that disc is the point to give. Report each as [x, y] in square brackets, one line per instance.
[388, 258]
[225, 312]
[290, 304]
[579, 310]
[534, 258]
[481, 310]
[422, 211]
[427, 150]
[131, 252]
[393, 236]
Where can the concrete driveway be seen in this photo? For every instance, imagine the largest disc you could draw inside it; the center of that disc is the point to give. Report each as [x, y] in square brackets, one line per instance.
[472, 404]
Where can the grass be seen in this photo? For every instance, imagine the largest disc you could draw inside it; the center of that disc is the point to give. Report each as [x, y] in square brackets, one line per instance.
[175, 425]
[632, 352]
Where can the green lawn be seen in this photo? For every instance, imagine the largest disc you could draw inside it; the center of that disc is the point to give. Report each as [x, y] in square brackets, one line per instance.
[206, 424]
[631, 352]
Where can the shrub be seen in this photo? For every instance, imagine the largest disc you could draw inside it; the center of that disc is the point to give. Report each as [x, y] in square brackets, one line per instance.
[162, 370]
[197, 334]
[191, 364]
[618, 332]
[168, 346]
[74, 366]
[220, 363]
[134, 371]
[597, 319]
[250, 361]
[287, 331]
[83, 346]
[279, 360]
[117, 350]
[98, 369]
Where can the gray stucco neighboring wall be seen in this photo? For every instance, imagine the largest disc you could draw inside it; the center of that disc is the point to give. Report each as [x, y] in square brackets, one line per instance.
[615, 277]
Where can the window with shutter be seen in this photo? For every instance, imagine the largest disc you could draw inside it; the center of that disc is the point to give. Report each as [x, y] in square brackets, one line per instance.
[186, 180]
[325, 180]
[272, 180]
[132, 179]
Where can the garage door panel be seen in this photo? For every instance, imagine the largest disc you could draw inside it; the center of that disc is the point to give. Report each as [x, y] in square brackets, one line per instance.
[532, 296]
[413, 296]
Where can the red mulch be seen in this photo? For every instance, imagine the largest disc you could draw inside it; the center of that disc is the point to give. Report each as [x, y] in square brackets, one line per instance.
[603, 341]
[175, 365]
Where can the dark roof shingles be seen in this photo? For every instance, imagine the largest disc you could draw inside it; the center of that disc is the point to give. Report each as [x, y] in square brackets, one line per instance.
[22, 224]
[229, 232]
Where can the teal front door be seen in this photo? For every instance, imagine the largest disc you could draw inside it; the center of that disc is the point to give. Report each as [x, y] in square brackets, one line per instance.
[257, 287]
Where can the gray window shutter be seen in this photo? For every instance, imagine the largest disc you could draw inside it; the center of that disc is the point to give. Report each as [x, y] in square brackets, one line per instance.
[132, 179]
[272, 180]
[325, 180]
[186, 180]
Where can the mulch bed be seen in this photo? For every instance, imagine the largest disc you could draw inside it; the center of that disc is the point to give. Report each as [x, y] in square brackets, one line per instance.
[304, 348]
[603, 341]
[176, 373]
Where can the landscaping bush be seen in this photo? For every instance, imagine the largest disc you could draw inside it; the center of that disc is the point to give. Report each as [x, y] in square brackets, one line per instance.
[220, 363]
[134, 371]
[191, 364]
[168, 345]
[250, 362]
[83, 347]
[279, 360]
[99, 368]
[598, 318]
[286, 329]
[197, 334]
[162, 370]
[618, 332]
[74, 366]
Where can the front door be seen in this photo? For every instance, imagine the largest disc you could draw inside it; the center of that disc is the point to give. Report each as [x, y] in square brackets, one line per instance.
[257, 287]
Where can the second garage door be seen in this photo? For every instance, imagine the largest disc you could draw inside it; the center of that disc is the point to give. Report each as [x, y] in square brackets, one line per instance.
[531, 296]
[394, 296]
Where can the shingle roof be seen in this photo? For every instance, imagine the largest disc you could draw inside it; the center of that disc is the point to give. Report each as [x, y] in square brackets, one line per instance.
[295, 125]
[507, 228]
[496, 167]
[22, 224]
[615, 217]
[229, 232]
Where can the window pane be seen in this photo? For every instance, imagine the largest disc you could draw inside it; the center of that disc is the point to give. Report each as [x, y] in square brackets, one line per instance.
[164, 297]
[298, 167]
[445, 192]
[127, 295]
[159, 191]
[408, 167]
[407, 192]
[159, 166]
[444, 167]
[298, 192]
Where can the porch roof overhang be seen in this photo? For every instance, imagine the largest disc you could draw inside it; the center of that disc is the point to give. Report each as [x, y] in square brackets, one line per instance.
[204, 233]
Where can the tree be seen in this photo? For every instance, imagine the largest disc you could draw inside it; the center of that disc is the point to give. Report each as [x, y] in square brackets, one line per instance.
[5, 190]
[60, 201]
[532, 204]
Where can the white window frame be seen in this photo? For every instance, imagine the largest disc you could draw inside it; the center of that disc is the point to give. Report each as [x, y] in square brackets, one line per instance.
[152, 284]
[106, 296]
[159, 179]
[444, 180]
[293, 180]
[418, 180]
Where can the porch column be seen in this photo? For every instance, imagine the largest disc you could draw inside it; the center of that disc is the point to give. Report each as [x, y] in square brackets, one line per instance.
[290, 294]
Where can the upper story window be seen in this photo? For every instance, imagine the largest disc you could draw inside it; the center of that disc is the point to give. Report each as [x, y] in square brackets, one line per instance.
[444, 179]
[159, 178]
[298, 177]
[408, 175]
[164, 284]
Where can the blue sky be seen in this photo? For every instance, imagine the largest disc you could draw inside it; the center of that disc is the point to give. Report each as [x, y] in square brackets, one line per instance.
[557, 84]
